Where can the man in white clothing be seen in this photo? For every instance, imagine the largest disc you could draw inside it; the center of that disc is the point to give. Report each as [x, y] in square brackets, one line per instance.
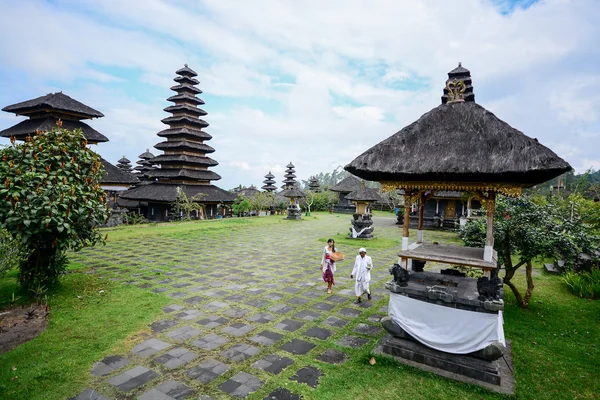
[362, 272]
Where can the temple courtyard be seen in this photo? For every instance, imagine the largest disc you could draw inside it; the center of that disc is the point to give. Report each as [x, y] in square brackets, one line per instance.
[237, 308]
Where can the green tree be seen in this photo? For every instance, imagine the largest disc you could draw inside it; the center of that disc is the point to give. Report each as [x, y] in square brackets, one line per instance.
[186, 204]
[51, 200]
[260, 201]
[525, 229]
[241, 205]
[11, 252]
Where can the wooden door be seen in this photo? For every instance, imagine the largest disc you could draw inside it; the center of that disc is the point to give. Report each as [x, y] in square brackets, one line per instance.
[450, 209]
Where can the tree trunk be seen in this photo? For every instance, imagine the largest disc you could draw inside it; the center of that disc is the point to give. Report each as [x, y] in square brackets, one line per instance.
[529, 292]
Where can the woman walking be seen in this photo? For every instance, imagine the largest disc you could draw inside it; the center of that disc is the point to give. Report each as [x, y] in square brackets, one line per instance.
[328, 264]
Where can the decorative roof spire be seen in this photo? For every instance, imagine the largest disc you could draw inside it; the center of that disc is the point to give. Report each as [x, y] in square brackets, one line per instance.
[313, 184]
[458, 86]
[124, 164]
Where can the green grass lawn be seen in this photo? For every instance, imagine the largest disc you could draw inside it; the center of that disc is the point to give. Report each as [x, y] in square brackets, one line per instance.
[555, 341]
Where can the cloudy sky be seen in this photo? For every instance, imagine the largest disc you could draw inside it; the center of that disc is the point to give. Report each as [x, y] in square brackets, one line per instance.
[312, 82]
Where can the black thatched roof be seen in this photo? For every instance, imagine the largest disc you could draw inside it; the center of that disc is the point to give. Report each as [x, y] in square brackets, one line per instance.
[182, 173]
[114, 175]
[54, 102]
[184, 145]
[364, 194]
[184, 131]
[167, 193]
[146, 155]
[186, 71]
[459, 142]
[183, 158]
[29, 126]
[347, 185]
[292, 193]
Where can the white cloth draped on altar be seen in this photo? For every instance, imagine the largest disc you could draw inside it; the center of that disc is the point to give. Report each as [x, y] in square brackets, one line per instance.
[446, 329]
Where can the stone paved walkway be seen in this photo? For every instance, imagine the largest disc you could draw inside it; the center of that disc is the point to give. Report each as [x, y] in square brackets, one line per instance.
[249, 311]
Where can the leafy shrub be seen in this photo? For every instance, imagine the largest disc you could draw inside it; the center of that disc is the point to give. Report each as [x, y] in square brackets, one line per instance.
[585, 284]
[132, 218]
[51, 199]
[473, 233]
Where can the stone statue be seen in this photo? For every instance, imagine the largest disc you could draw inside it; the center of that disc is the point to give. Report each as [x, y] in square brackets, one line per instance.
[401, 276]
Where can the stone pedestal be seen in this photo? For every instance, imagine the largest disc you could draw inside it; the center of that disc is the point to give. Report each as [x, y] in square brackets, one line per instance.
[362, 224]
[294, 212]
[116, 218]
[494, 375]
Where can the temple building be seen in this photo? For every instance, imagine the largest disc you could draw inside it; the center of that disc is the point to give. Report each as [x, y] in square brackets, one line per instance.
[124, 164]
[184, 163]
[44, 112]
[344, 187]
[451, 324]
[291, 191]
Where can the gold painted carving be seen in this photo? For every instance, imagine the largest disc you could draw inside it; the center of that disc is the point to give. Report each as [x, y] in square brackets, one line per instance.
[507, 189]
[456, 89]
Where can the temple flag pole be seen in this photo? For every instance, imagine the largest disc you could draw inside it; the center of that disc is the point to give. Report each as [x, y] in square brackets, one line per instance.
[489, 236]
[421, 212]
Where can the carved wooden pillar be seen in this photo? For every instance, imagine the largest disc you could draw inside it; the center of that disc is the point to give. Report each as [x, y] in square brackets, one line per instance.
[421, 212]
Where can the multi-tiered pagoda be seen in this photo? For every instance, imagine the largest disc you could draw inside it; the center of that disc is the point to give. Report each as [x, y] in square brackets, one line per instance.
[124, 164]
[269, 183]
[292, 192]
[184, 163]
[313, 184]
[145, 165]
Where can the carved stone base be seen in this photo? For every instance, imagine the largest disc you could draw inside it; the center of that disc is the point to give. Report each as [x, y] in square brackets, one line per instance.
[363, 225]
[494, 375]
[294, 213]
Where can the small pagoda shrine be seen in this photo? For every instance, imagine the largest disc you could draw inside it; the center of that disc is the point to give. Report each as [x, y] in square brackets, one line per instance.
[343, 188]
[447, 324]
[184, 164]
[124, 164]
[145, 165]
[313, 184]
[269, 183]
[45, 111]
[362, 220]
[292, 192]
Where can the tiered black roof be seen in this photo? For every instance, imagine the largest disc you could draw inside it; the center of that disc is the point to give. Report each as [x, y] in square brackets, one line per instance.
[115, 175]
[462, 74]
[364, 194]
[289, 183]
[346, 185]
[145, 164]
[184, 155]
[269, 183]
[45, 111]
[313, 184]
[184, 163]
[124, 164]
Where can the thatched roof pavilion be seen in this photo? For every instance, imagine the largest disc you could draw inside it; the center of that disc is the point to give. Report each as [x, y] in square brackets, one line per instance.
[343, 188]
[184, 163]
[45, 111]
[461, 146]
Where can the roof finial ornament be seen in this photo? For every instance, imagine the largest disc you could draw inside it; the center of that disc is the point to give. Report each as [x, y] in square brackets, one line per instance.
[459, 64]
[456, 89]
[185, 65]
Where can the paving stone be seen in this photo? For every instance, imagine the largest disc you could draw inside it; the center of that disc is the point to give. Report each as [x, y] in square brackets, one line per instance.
[176, 357]
[352, 341]
[308, 315]
[217, 283]
[281, 308]
[323, 306]
[173, 307]
[240, 352]
[208, 371]
[159, 290]
[133, 378]
[289, 325]
[364, 304]
[273, 363]
[315, 293]
[189, 315]
[282, 394]
[145, 285]
[318, 333]
[213, 321]
[346, 292]
[308, 375]
[184, 333]
[337, 299]
[375, 318]
[108, 365]
[162, 325]
[149, 347]
[241, 385]
[298, 346]
[89, 394]
[235, 287]
[215, 293]
[258, 303]
[177, 295]
[254, 291]
[271, 285]
[261, 318]
[383, 309]
[215, 306]
[349, 312]
[291, 289]
[333, 356]
[194, 300]
[335, 322]
[366, 329]
[235, 312]
[274, 296]
[210, 342]
[266, 338]
[238, 329]
[167, 391]
[298, 300]
[180, 285]
[164, 281]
